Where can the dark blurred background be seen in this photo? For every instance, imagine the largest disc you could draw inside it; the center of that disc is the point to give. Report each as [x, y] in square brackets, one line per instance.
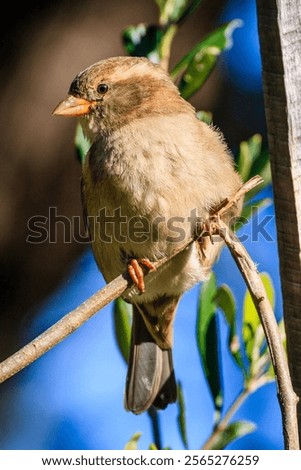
[43, 46]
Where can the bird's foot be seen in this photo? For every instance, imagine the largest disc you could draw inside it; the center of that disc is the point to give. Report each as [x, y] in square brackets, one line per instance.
[135, 270]
[209, 228]
[207, 236]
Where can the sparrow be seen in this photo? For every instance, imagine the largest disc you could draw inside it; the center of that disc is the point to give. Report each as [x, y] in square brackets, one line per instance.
[153, 174]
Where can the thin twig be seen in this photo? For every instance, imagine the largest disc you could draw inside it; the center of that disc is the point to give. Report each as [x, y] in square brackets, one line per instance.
[211, 442]
[245, 188]
[249, 387]
[287, 398]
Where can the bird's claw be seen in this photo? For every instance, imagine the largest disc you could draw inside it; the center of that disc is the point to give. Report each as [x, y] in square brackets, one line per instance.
[135, 270]
[209, 230]
[209, 227]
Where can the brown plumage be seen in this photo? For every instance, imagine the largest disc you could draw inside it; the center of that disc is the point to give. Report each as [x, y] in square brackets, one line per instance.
[151, 177]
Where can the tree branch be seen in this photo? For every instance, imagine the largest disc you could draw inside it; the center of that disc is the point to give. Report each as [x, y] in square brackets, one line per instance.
[287, 398]
[73, 320]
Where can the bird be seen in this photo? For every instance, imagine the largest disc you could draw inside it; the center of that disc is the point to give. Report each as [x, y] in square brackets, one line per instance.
[152, 176]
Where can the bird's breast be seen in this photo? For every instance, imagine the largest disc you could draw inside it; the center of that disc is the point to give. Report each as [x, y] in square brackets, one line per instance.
[137, 167]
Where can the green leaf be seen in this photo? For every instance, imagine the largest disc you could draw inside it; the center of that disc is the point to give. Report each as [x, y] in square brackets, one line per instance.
[251, 321]
[204, 116]
[132, 444]
[171, 10]
[196, 66]
[143, 41]
[82, 145]
[251, 161]
[198, 71]
[176, 11]
[207, 340]
[232, 432]
[122, 325]
[249, 151]
[181, 419]
[225, 301]
[262, 167]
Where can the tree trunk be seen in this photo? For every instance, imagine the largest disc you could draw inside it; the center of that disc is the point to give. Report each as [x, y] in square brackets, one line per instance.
[280, 42]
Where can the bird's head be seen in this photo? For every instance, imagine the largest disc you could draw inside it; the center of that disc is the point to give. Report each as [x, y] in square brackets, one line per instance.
[115, 91]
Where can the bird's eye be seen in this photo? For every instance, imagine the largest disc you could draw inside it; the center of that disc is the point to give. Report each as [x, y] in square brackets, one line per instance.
[102, 88]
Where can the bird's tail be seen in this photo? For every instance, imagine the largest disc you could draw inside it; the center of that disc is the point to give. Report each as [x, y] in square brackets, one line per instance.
[150, 378]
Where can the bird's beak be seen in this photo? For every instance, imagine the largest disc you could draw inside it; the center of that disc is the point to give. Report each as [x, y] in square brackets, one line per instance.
[73, 106]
